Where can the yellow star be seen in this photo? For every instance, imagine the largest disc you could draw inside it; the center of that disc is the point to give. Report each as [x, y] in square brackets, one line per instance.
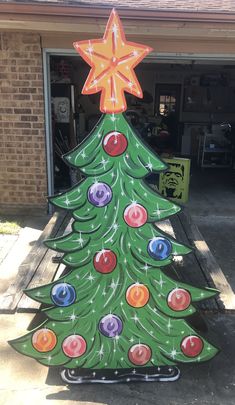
[112, 60]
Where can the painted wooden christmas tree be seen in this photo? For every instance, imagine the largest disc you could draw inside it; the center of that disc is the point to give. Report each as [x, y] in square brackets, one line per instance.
[115, 316]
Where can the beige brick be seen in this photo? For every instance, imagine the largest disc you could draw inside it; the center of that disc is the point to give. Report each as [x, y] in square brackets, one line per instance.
[22, 125]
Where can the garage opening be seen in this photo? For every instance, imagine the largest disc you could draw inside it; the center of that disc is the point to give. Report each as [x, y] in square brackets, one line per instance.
[188, 111]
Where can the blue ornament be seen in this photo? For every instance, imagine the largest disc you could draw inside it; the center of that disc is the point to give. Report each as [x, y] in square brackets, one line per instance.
[159, 248]
[63, 294]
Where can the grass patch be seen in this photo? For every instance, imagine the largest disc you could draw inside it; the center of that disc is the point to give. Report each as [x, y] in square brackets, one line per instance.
[10, 226]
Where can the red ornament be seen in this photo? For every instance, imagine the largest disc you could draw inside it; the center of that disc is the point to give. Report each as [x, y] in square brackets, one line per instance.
[135, 215]
[74, 346]
[179, 299]
[192, 346]
[105, 261]
[115, 143]
[139, 354]
[137, 295]
[44, 340]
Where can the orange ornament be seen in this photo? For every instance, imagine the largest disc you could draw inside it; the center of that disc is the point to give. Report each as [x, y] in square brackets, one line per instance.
[112, 60]
[44, 340]
[137, 295]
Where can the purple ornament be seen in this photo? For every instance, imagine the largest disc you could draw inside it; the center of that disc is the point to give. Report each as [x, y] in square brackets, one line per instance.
[110, 326]
[99, 194]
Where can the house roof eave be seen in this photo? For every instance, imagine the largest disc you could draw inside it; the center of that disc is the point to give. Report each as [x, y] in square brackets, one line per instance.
[15, 10]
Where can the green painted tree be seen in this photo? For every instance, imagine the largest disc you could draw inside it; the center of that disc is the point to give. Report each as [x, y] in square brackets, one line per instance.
[115, 310]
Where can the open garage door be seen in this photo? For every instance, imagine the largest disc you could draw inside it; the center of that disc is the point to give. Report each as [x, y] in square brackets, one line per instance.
[187, 111]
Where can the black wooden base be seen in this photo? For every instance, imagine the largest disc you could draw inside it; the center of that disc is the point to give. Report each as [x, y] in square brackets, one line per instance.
[107, 376]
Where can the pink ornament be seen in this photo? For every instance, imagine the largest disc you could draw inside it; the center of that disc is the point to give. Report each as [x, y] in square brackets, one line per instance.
[135, 215]
[179, 299]
[74, 346]
[140, 354]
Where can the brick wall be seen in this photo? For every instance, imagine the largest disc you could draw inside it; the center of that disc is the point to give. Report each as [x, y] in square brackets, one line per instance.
[22, 155]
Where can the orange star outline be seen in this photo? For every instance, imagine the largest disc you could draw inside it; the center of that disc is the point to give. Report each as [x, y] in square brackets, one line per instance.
[112, 60]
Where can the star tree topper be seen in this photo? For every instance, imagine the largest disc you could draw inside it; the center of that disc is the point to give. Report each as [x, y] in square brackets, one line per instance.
[112, 60]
